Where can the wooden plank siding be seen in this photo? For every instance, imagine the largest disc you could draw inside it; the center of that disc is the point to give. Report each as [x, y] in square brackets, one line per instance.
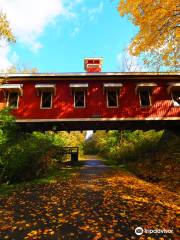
[96, 103]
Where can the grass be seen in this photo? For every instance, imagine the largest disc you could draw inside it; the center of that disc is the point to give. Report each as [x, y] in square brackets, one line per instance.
[115, 164]
[6, 189]
[54, 175]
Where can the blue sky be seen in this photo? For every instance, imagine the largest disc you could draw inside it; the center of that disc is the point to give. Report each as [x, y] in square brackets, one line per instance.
[56, 37]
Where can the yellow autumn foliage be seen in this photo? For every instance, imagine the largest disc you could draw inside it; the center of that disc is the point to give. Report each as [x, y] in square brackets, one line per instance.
[5, 30]
[158, 22]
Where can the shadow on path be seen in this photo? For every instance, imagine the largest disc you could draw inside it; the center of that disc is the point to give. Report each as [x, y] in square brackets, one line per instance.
[99, 203]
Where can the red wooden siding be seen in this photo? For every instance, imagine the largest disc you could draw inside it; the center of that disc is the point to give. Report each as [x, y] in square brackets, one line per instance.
[96, 104]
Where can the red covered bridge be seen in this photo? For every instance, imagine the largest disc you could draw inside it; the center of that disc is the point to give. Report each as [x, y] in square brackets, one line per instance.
[93, 99]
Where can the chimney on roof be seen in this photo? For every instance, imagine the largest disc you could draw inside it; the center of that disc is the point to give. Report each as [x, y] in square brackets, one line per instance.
[93, 64]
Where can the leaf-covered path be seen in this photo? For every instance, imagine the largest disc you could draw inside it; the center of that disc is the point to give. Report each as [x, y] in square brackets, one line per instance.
[98, 203]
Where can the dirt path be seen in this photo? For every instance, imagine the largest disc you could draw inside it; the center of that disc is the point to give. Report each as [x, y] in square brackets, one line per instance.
[99, 203]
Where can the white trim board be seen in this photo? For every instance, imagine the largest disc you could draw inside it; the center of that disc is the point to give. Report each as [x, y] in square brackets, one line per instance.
[98, 119]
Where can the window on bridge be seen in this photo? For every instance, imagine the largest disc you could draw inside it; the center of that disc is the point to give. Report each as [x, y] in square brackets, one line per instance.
[46, 99]
[112, 98]
[79, 98]
[176, 97]
[144, 95]
[13, 99]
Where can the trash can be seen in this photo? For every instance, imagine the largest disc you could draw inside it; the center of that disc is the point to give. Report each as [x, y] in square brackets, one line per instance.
[74, 156]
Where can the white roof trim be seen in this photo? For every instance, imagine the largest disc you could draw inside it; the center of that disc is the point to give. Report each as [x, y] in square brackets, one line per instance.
[109, 85]
[145, 84]
[171, 85]
[93, 65]
[11, 86]
[45, 86]
[77, 74]
[80, 85]
[97, 119]
[177, 84]
[93, 58]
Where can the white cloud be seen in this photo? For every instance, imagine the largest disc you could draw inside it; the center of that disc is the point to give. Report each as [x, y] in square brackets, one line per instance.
[69, 8]
[14, 58]
[4, 51]
[8, 58]
[71, 4]
[29, 18]
[94, 12]
[36, 46]
[75, 31]
[82, 15]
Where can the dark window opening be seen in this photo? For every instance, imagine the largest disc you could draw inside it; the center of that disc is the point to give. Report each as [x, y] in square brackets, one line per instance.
[79, 99]
[176, 98]
[144, 97]
[46, 100]
[112, 100]
[13, 99]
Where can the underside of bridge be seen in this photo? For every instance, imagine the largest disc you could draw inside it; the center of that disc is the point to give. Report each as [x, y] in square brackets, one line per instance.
[173, 125]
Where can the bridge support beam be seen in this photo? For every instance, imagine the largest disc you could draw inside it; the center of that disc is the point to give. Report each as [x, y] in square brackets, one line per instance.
[29, 126]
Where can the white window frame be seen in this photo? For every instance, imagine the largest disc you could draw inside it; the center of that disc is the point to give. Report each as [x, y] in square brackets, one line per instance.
[149, 94]
[44, 91]
[75, 91]
[173, 101]
[9, 92]
[117, 98]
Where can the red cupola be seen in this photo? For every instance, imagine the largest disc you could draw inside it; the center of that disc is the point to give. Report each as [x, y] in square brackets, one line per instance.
[92, 65]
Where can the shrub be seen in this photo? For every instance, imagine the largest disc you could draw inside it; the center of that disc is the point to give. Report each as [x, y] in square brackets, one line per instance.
[123, 146]
[25, 156]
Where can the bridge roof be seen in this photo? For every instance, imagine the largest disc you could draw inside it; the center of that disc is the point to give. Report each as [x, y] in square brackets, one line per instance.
[4, 75]
[100, 75]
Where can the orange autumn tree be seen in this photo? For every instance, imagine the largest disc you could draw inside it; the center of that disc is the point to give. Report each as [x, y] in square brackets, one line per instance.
[157, 36]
